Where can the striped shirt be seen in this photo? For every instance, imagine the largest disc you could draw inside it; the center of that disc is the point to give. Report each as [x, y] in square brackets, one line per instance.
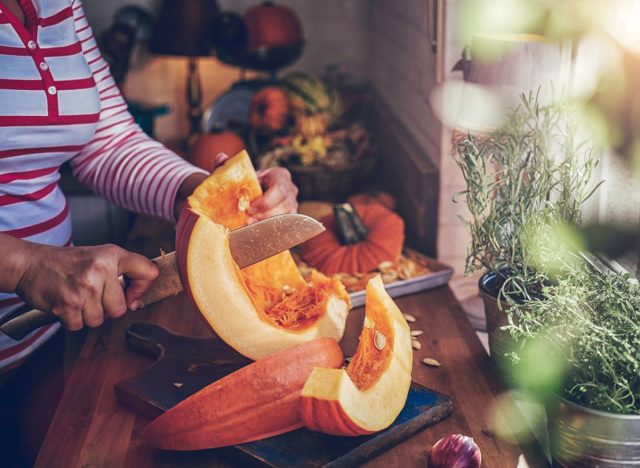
[59, 103]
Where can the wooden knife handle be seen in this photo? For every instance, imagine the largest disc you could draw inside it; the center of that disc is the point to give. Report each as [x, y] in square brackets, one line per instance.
[20, 324]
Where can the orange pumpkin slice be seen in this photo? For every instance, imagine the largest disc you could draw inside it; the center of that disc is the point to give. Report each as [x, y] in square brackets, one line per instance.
[258, 401]
[369, 394]
[265, 307]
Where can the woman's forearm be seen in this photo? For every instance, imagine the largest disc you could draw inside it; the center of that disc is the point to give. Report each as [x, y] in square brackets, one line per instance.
[186, 188]
[15, 258]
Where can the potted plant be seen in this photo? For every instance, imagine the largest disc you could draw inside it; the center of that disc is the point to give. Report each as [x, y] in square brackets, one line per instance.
[579, 350]
[529, 174]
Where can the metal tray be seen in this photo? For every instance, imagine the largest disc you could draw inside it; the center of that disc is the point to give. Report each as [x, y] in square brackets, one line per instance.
[439, 275]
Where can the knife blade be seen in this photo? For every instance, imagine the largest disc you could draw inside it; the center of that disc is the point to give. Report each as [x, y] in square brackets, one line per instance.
[248, 245]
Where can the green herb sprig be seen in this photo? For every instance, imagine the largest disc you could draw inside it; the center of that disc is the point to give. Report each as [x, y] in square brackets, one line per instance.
[591, 324]
[530, 174]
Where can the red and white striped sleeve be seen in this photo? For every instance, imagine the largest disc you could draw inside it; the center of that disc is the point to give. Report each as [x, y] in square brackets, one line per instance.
[121, 162]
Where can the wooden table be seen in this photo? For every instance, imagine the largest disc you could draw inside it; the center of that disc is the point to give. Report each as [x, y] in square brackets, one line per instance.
[91, 429]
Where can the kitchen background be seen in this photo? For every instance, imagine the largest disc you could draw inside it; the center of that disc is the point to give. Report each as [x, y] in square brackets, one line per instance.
[404, 50]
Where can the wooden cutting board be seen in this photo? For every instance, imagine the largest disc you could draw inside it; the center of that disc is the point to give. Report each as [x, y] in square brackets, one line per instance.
[184, 365]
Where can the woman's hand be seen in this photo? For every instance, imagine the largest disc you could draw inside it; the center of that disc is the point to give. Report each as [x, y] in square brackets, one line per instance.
[80, 284]
[280, 194]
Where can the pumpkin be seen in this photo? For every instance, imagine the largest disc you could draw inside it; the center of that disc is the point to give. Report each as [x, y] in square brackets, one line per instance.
[332, 252]
[369, 394]
[258, 401]
[265, 307]
[311, 95]
[207, 146]
[271, 25]
[269, 109]
[374, 196]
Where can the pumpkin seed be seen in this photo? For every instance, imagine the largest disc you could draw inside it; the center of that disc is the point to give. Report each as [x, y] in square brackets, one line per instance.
[178, 384]
[416, 344]
[288, 289]
[416, 332]
[243, 203]
[389, 277]
[431, 362]
[409, 318]
[379, 340]
[385, 267]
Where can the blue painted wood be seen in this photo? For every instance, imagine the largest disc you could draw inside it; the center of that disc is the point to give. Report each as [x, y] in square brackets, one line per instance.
[189, 360]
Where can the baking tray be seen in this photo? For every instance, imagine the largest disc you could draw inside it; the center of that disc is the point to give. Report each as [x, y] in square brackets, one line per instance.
[439, 275]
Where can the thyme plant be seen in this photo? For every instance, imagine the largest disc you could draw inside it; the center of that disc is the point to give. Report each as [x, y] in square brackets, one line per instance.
[590, 323]
[530, 174]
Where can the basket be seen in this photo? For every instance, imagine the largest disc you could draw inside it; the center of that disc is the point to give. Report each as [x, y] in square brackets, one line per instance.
[323, 183]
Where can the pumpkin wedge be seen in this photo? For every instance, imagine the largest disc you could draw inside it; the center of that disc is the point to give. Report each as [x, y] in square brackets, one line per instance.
[369, 394]
[258, 401]
[265, 307]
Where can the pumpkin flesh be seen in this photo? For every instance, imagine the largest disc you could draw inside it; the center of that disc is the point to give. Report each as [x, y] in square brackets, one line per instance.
[258, 401]
[262, 308]
[369, 394]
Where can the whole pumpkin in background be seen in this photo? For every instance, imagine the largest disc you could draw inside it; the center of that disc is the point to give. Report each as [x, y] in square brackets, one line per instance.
[270, 109]
[207, 146]
[271, 25]
[383, 242]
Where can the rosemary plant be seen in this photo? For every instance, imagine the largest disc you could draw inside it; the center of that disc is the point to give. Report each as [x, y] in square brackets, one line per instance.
[590, 323]
[522, 178]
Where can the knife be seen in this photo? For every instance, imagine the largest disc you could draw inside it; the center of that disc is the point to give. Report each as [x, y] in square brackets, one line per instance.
[248, 245]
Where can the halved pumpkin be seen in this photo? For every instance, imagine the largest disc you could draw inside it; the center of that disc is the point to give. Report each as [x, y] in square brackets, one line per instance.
[258, 401]
[369, 394]
[265, 307]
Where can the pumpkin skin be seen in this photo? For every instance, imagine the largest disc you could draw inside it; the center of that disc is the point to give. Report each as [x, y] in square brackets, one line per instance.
[270, 109]
[271, 25]
[258, 401]
[208, 146]
[265, 307]
[384, 243]
[369, 394]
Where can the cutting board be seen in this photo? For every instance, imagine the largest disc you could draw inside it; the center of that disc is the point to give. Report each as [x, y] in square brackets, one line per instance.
[184, 365]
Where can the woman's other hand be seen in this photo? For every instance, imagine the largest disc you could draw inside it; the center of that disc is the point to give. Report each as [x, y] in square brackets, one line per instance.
[280, 195]
[80, 284]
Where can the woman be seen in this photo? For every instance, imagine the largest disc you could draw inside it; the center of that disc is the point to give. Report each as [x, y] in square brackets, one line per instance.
[59, 103]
